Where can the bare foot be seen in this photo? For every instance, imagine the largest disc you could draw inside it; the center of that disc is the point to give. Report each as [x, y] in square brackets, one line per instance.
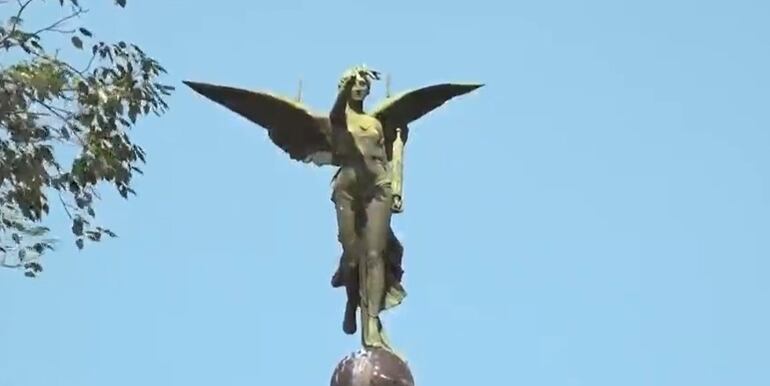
[349, 322]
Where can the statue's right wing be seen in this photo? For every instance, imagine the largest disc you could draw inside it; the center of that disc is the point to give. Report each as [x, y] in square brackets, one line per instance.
[303, 135]
[399, 111]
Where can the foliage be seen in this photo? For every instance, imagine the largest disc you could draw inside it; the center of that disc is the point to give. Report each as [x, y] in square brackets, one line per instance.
[64, 128]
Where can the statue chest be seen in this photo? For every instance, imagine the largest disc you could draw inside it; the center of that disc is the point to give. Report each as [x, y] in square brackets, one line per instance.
[365, 129]
[363, 136]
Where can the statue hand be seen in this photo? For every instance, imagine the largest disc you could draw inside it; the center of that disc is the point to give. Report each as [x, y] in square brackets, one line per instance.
[398, 205]
[349, 82]
[361, 72]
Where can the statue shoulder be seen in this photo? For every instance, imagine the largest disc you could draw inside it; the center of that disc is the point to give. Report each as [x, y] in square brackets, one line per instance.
[374, 122]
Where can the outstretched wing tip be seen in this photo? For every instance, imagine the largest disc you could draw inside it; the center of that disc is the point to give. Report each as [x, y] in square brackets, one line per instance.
[198, 87]
[290, 125]
[472, 86]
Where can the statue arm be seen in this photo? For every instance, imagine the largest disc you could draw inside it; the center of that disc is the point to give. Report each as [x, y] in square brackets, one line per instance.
[397, 172]
[337, 114]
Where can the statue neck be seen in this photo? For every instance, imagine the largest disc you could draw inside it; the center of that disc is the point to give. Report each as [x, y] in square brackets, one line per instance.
[356, 106]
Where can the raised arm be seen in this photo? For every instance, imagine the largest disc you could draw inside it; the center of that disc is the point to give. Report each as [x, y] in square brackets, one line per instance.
[337, 115]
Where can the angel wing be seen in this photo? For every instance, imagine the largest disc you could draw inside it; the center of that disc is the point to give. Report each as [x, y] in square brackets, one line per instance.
[303, 135]
[398, 111]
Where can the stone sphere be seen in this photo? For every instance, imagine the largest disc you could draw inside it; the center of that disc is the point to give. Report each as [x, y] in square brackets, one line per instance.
[372, 367]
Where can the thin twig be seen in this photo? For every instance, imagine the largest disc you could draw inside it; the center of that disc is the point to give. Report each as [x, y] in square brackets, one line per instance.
[90, 62]
[92, 190]
[22, 6]
[64, 31]
[54, 111]
[64, 205]
[6, 265]
[21, 263]
[60, 62]
[58, 111]
[52, 27]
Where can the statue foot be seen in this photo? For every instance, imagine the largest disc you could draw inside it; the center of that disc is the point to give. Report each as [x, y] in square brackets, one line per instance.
[349, 322]
[337, 280]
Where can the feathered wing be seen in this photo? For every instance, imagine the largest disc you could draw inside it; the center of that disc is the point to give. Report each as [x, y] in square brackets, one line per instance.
[400, 110]
[303, 135]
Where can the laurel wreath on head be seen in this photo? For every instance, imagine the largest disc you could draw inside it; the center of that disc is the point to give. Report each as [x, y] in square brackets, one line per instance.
[363, 70]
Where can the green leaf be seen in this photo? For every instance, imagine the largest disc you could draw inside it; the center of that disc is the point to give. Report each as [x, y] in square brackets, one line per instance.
[77, 226]
[94, 236]
[39, 248]
[34, 267]
[133, 111]
[77, 42]
[38, 231]
[83, 87]
[97, 110]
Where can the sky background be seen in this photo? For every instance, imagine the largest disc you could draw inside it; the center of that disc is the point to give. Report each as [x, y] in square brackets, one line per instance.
[597, 215]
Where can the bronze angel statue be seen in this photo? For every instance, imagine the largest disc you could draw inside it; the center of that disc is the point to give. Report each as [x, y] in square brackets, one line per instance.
[367, 149]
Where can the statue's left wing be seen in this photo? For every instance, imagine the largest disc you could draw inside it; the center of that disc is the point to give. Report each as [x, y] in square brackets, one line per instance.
[398, 111]
[291, 126]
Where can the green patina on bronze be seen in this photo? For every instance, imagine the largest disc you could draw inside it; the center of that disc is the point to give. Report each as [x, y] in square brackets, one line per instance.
[368, 149]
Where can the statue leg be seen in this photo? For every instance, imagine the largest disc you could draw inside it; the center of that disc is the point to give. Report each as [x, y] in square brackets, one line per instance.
[394, 253]
[375, 235]
[337, 280]
[347, 274]
[351, 306]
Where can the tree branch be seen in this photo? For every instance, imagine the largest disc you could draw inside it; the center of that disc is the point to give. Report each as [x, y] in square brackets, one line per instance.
[6, 265]
[54, 27]
[22, 7]
[60, 62]
[65, 206]
[90, 62]
[56, 111]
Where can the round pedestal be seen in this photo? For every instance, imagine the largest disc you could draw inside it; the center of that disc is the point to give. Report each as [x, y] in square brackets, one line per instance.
[372, 367]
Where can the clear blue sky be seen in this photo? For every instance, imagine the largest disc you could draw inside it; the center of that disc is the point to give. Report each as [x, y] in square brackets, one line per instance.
[597, 215]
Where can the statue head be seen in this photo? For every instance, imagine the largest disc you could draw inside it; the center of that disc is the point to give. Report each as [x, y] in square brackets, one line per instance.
[363, 81]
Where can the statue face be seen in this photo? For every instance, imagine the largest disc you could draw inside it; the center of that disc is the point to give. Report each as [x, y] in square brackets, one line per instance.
[360, 88]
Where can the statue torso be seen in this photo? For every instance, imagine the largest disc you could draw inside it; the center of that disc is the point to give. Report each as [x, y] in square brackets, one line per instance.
[367, 135]
[362, 150]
